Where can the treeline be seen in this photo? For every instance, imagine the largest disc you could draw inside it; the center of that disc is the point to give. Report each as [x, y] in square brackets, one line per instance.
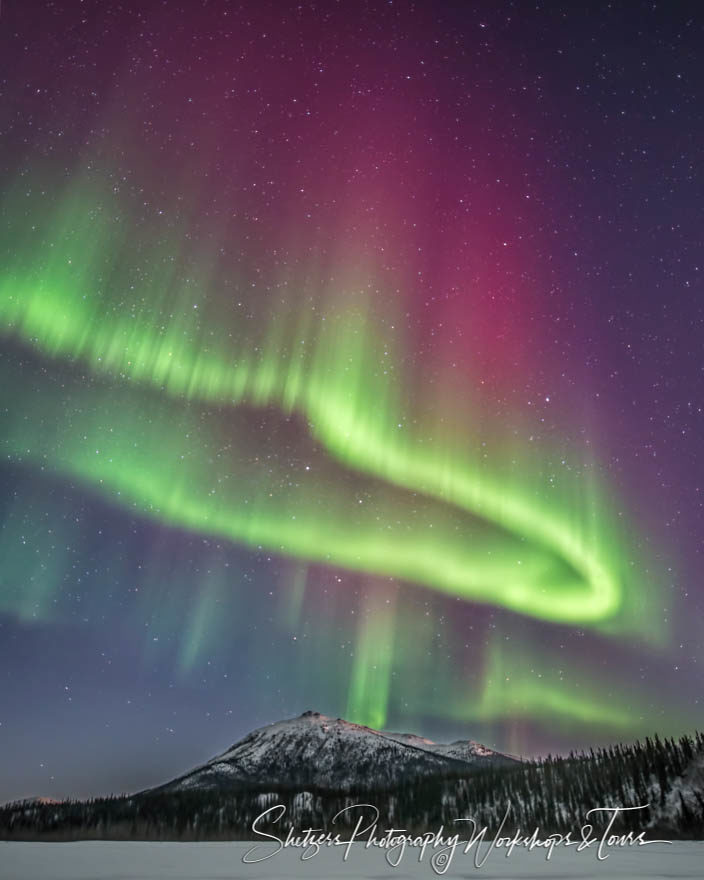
[553, 794]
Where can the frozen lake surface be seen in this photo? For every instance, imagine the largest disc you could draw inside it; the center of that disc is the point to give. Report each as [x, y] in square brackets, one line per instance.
[98, 860]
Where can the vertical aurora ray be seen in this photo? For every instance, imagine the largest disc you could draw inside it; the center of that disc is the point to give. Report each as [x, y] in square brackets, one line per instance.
[294, 597]
[370, 685]
[530, 680]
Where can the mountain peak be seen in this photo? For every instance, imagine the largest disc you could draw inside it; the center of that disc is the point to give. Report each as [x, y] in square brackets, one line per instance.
[315, 751]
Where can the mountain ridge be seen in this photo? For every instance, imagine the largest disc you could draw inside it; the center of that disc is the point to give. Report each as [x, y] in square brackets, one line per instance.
[318, 751]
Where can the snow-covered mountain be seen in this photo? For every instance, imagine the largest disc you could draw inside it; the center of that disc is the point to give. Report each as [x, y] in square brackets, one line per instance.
[314, 751]
[315, 767]
[461, 749]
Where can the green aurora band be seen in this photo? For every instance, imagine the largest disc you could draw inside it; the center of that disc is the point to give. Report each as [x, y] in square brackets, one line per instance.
[331, 372]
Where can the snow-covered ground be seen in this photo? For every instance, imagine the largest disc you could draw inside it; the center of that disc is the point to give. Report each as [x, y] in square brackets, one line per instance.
[212, 861]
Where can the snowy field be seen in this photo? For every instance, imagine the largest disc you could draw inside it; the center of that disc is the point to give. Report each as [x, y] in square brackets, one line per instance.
[208, 861]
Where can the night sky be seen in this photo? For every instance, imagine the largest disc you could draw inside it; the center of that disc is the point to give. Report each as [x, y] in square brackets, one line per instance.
[352, 359]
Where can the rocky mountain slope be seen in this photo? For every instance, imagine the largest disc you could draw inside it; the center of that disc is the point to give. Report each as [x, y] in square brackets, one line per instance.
[318, 752]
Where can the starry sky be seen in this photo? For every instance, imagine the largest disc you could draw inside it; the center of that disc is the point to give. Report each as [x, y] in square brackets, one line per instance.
[352, 359]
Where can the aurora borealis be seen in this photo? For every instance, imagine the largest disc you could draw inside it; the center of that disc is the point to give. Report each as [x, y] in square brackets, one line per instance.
[347, 363]
[329, 377]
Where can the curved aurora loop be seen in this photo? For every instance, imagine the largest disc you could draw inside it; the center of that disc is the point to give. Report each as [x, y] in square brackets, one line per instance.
[470, 529]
